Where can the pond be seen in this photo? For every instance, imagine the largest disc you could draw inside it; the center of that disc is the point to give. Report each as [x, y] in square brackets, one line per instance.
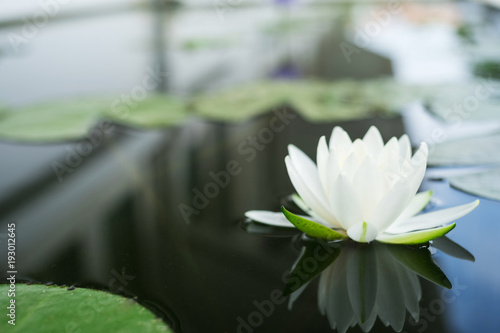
[159, 215]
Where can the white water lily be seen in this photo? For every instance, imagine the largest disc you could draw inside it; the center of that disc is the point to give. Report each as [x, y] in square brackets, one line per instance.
[364, 190]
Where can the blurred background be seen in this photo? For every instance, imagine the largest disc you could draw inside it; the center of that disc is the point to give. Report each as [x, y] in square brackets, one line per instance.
[60, 49]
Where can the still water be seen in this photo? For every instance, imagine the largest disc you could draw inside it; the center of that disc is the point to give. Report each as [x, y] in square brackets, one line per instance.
[158, 215]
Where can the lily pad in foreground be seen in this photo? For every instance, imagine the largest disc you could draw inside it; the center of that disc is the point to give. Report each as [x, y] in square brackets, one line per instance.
[40, 308]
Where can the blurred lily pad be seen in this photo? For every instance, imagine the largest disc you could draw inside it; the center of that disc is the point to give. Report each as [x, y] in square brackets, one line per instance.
[489, 68]
[348, 99]
[485, 184]
[153, 111]
[469, 151]
[45, 309]
[316, 101]
[241, 103]
[477, 100]
[64, 120]
[72, 119]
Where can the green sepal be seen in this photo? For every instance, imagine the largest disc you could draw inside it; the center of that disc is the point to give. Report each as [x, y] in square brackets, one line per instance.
[416, 237]
[311, 228]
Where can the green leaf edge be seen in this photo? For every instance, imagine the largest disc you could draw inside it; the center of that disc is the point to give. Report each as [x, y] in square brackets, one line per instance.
[311, 228]
[418, 237]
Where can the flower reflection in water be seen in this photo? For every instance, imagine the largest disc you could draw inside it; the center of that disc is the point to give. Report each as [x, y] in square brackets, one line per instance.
[359, 282]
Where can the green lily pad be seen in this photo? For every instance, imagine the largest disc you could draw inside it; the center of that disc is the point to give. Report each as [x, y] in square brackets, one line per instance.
[47, 309]
[152, 112]
[420, 261]
[241, 103]
[349, 99]
[485, 184]
[72, 119]
[469, 151]
[311, 228]
[64, 120]
[316, 101]
[449, 102]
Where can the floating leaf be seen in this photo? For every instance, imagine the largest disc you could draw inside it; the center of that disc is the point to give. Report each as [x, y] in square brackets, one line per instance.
[420, 261]
[41, 308]
[64, 120]
[73, 119]
[316, 101]
[443, 100]
[153, 111]
[484, 184]
[241, 103]
[470, 151]
[311, 228]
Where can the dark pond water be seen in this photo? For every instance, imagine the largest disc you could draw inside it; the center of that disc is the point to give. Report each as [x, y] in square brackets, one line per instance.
[129, 217]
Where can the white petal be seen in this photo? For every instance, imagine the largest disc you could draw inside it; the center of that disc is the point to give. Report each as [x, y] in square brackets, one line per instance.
[404, 148]
[388, 159]
[277, 219]
[350, 166]
[359, 148]
[339, 138]
[390, 207]
[419, 201]
[311, 214]
[432, 219]
[368, 184]
[345, 203]
[362, 232]
[373, 141]
[308, 196]
[341, 142]
[332, 171]
[417, 168]
[322, 161]
[307, 171]
[270, 218]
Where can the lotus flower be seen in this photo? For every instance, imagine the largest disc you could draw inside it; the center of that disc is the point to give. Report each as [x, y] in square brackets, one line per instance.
[363, 190]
